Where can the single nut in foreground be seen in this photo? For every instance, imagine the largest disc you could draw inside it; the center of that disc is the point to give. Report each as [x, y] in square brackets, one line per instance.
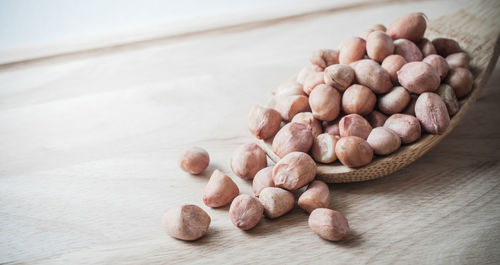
[263, 179]
[245, 212]
[354, 125]
[293, 137]
[379, 45]
[395, 101]
[324, 57]
[410, 26]
[407, 127]
[323, 149]
[352, 49]
[419, 77]
[376, 119]
[339, 76]
[408, 50]
[317, 195]
[461, 79]
[194, 160]
[307, 118]
[294, 171]
[459, 59]
[247, 160]
[324, 101]
[187, 222]
[263, 122]
[288, 106]
[445, 46]
[329, 224]
[447, 94]
[432, 113]
[439, 64]
[276, 201]
[370, 74]
[220, 190]
[392, 64]
[426, 47]
[353, 151]
[383, 141]
[358, 99]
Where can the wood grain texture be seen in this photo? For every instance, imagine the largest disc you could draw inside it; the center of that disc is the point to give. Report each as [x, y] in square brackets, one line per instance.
[89, 148]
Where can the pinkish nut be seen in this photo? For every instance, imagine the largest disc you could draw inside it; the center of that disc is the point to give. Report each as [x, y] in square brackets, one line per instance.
[294, 171]
[459, 59]
[426, 47]
[293, 137]
[410, 26]
[358, 99]
[220, 190]
[376, 119]
[408, 50]
[332, 127]
[313, 80]
[289, 88]
[407, 127]
[324, 58]
[419, 77]
[339, 76]
[307, 118]
[263, 122]
[317, 195]
[410, 109]
[194, 160]
[354, 125]
[247, 160]
[439, 63]
[371, 29]
[187, 222]
[245, 212]
[306, 71]
[445, 47]
[395, 101]
[329, 224]
[432, 113]
[325, 103]
[288, 106]
[383, 141]
[353, 151]
[461, 79]
[263, 179]
[276, 201]
[323, 149]
[447, 94]
[372, 75]
[392, 64]
[351, 50]
[379, 45]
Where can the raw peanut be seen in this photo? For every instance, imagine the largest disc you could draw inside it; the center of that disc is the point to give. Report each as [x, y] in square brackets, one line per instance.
[325, 103]
[220, 190]
[263, 122]
[263, 179]
[358, 99]
[432, 113]
[307, 118]
[288, 106]
[276, 201]
[410, 109]
[351, 50]
[187, 222]
[408, 50]
[419, 77]
[294, 171]
[370, 74]
[316, 196]
[354, 125]
[410, 26]
[339, 76]
[306, 71]
[461, 79]
[194, 160]
[383, 141]
[245, 212]
[379, 45]
[395, 101]
[353, 151]
[371, 29]
[313, 80]
[426, 47]
[376, 119]
[247, 160]
[332, 127]
[439, 64]
[445, 47]
[407, 127]
[291, 138]
[392, 64]
[459, 59]
[289, 88]
[329, 224]
[447, 94]
[323, 149]
[324, 58]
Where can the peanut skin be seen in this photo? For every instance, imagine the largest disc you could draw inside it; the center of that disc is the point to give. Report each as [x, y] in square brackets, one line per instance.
[407, 127]
[354, 125]
[432, 113]
[392, 64]
[307, 118]
[329, 224]
[419, 77]
[459, 59]
[294, 171]
[408, 50]
[323, 149]
[395, 101]
[370, 74]
[353, 151]
[187, 222]
[376, 119]
[263, 122]
[461, 79]
[317, 195]
[263, 179]
[439, 64]
[426, 47]
[383, 141]
[194, 160]
[325, 103]
[276, 201]
[289, 88]
[358, 99]
[247, 160]
[339, 76]
[447, 94]
[288, 106]
[410, 26]
[324, 58]
[379, 45]
[445, 46]
[245, 212]
[220, 190]
[291, 138]
[352, 49]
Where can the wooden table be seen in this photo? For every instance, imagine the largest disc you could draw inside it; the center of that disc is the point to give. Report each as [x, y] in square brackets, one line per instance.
[90, 140]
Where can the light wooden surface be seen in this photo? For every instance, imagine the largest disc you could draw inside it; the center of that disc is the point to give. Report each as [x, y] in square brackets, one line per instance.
[89, 146]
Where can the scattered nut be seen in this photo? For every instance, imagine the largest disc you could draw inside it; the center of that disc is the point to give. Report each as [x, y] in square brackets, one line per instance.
[419, 77]
[324, 58]
[339, 76]
[291, 138]
[187, 222]
[220, 190]
[358, 99]
[370, 74]
[432, 113]
[376, 119]
[247, 160]
[294, 171]
[407, 127]
[245, 212]
[194, 160]
[353, 151]
[288, 106]
[354, 125]
[392, 64]
[410, 26]
[323, 148]
[329, 224]
[439, 64]
[447, 94]
[379, 45]
[383, 141]
[307, 118]
[395, 101]
[263, 179]
[351, 50]
[276, 201]
[263, 122]
[316, 196]
[459, 59]
[426, 47]
[325, 103]
[461, 79]
[408, 50]
[445, 47]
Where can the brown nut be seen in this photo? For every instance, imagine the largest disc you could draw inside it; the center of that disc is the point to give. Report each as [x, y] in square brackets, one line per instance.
[461, 79]
[354, 125]
[263, 122]
[379, 45]
[408, 50]
[358, 99]
[447, 94]
[459, 59]
[307, 118]
[351, 50]
[370, 74]
[247, 160]
[407, 127]
[245, 212]
[353, 151]
[316, 196]
[426, 47]
[313, 80]
[439, 63]
[445, 47]
[432, 113]
[187, 222]
[329, 224]
[419, 77]
[410, 26]
[220, 190]
[325, 103]
[289, 88]
[194, 160]
[395, 101]
[294, 171]
[292, 137]
[392, 64]
[323, 149]
[263, 179]
[306, 71]
[383, 141]
[410, 109]
[376, 119]
[288, 106]
[339, 76]
[324, 57]
[276, 201]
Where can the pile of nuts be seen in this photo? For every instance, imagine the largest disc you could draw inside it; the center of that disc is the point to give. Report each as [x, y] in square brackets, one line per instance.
[374, 94]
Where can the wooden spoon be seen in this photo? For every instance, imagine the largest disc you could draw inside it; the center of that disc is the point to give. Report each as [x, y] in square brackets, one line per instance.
[476, 28]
